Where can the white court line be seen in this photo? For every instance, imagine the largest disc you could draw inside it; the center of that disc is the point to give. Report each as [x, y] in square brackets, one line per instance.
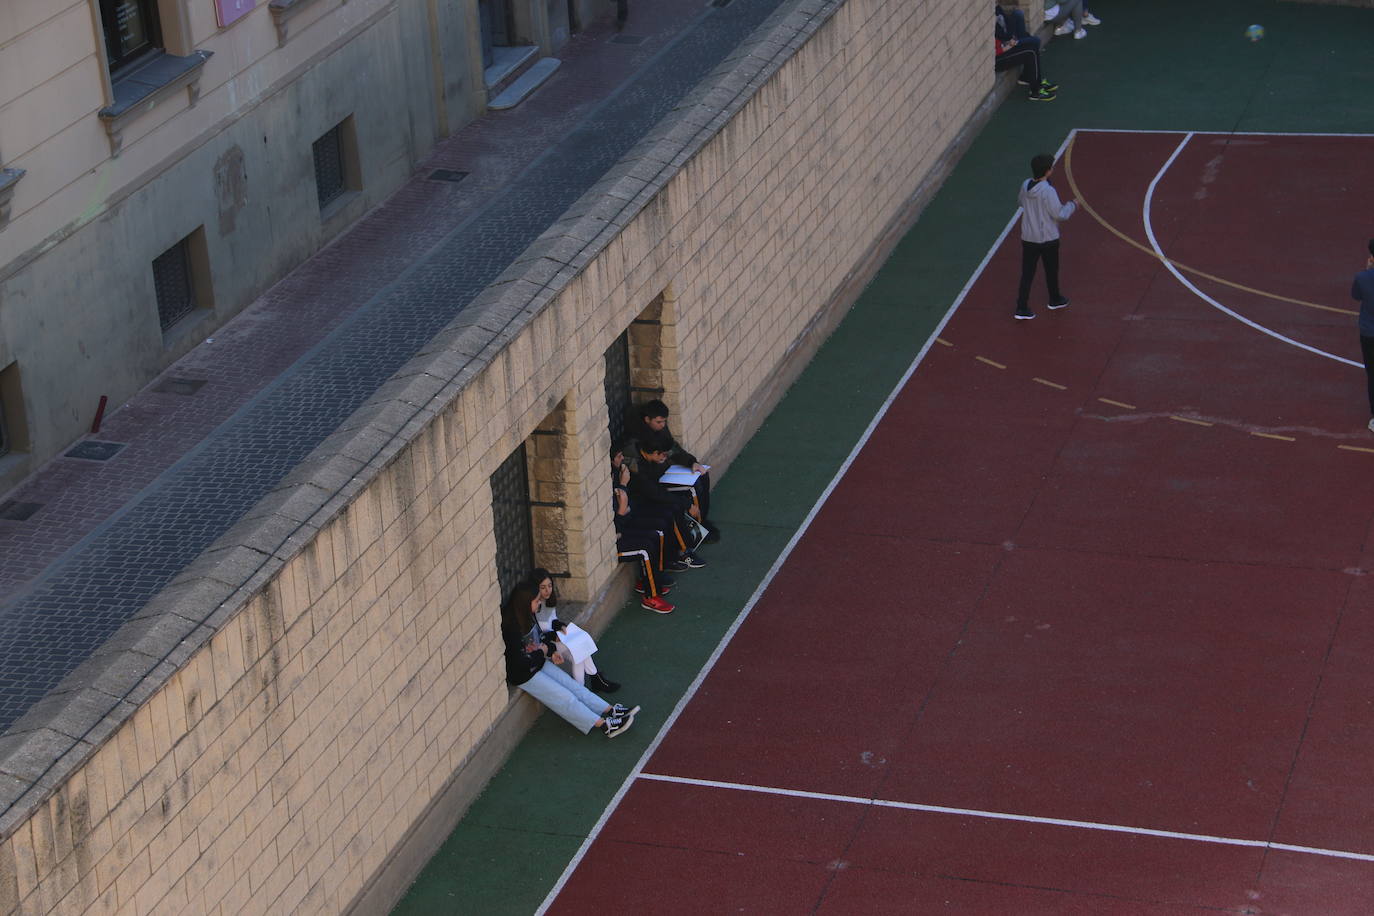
[777, 564]
[1002, 816]
[1213, 133]
[1163, 259]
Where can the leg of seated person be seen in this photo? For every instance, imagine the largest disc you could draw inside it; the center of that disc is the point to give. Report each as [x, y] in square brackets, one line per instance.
[551, 690]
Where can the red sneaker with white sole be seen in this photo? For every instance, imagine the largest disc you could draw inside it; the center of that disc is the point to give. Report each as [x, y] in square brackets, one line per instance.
[657, 605]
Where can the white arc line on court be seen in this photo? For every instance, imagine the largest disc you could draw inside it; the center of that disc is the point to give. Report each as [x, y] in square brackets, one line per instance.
[1159, 253]
[1002, 816]
[777, 564]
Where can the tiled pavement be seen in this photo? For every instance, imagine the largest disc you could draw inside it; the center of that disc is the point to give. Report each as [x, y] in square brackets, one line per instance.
[281, 376]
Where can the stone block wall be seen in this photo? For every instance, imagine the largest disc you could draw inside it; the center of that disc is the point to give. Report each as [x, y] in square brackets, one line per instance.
[334, 664]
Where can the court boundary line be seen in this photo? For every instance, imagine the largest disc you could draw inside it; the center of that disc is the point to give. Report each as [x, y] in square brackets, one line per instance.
[782, 558]
[1188, 284]
[1216, 133]
[1005, 816]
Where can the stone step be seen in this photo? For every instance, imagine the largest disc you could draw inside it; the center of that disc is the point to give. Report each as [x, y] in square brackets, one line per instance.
[526, 83]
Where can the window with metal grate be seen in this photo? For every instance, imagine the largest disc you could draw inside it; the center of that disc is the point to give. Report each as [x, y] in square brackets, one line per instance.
[330, 176]
[510, 510]
[618, 386]
[173, 285]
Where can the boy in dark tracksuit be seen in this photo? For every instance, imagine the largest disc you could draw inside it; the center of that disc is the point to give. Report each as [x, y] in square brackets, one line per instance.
[650, 423]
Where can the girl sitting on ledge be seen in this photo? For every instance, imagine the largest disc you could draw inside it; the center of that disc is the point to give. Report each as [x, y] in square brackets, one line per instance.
[528, 650]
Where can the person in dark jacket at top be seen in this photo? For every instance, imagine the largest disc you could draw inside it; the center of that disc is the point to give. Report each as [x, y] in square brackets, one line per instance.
[651, 422]
[1015, 47]
[1041, 214]
[527, 653]
[650, 498]
[1363, 290]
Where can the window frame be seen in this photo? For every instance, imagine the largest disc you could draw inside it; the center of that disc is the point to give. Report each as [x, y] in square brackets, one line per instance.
[117, 61]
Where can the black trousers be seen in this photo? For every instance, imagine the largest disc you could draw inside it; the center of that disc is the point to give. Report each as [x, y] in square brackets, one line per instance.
[1367, 350]
[1027, 58]
[1031, 254]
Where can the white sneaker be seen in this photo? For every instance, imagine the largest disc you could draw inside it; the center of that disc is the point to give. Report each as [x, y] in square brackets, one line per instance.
[1090, 19]
[1081, 33]
[1065, 27]
[1051, 12]
[1371, 426]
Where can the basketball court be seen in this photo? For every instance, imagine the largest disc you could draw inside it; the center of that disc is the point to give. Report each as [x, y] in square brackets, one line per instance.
[1083, 624]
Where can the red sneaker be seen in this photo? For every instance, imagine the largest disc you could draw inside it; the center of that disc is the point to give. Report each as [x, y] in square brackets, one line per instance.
[657, 605]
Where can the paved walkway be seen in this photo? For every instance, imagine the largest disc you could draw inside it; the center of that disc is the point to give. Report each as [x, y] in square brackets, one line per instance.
[222, 427]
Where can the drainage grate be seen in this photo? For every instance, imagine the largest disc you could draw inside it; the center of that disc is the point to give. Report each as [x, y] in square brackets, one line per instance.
[180, 385]
[627, 40]
[447, 175]
[12, 511]
[95, 450]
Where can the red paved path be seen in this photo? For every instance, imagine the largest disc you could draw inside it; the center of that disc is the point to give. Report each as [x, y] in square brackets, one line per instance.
[1021, 599]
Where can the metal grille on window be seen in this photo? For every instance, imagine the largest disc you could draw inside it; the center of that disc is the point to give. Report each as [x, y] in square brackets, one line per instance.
[618, 386]
[510, 509]
[329, 166]
[176, 294]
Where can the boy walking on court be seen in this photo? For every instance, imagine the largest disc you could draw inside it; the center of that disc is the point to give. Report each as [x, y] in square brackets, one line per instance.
[1041, 214]
[1363, 290]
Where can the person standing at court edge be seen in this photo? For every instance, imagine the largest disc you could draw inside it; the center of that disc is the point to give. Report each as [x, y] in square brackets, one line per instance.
[1363, 290]
[1041, 214]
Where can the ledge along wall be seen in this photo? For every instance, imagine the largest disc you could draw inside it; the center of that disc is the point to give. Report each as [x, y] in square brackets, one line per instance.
[277, 724]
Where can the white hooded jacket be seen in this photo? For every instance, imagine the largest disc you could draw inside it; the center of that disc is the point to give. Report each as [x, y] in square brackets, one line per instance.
[1041, 211]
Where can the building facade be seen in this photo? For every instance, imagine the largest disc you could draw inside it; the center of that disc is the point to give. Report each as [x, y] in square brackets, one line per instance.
[163, 162]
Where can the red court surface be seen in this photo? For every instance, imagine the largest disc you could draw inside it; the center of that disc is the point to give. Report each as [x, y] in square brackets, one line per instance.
[1085, 626]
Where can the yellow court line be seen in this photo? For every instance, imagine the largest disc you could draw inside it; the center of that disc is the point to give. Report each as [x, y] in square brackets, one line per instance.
[990, 362]
[1117, 403]
[1045, 381]
[1078, 194]
[1189, 420]
[942, 342]
[1274, 436]
[1356, 448]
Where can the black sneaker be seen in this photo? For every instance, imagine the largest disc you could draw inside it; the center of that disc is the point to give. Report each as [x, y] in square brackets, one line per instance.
[1040, 94]
[1059, 303]
[693, 561]
[616, 724]
[1048, 86]
[621, 712]
[712, 535]
[676, 566]
[1024, 314]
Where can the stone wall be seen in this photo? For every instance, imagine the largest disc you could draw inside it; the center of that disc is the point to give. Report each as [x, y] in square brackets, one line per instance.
[275, 725]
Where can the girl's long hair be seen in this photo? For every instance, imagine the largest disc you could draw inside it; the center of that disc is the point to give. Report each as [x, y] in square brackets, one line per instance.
[517, 609]
[538, 575]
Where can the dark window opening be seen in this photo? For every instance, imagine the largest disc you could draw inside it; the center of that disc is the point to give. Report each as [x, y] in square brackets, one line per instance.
[5, 444]
[173, 284]
[618, 386]
[510, 509]
[132, 30]
[330, 176]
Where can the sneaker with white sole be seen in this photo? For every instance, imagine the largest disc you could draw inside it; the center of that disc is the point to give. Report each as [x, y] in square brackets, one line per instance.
[1051, 12]
[1371, 425]
[1090, 19]
[1059, 303]
[622, 712]
[1023, 314]
[616, 724]
[1081, 33]
[1065, 27]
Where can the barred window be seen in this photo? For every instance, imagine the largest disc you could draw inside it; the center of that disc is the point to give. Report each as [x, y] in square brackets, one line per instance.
[510, 509]
[618, 386]
[173, 285]
[330, 177]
